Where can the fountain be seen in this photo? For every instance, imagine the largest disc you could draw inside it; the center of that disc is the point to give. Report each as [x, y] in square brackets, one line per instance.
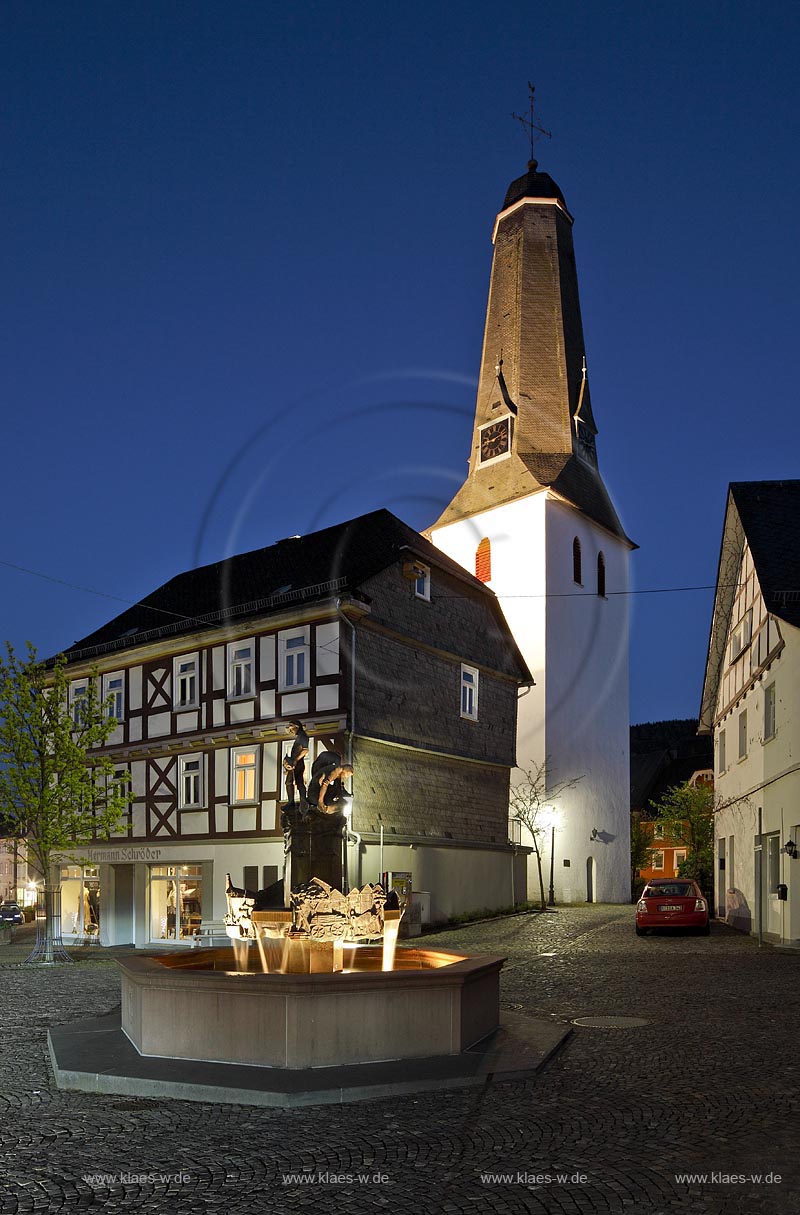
[308, 1004]
[302, 989]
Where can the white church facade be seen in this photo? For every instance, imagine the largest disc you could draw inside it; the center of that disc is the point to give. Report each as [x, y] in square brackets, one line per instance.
[534, 521]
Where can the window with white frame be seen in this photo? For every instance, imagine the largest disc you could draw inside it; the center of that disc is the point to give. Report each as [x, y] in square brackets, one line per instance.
[190, 781]
[722, 759]
[743, 734]
[422, 583]
[769, 712]
[244, 774]
[658, 831]
[240, 668]
[294, 659]
[78, 692]
[114, 695]
[742, 635]
[185, 677]
[680, 857]
[658, 859]
[469, 693]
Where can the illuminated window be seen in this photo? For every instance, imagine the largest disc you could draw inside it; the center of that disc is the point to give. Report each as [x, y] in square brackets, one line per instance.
[244, 774]
[469, 693]
[240, 669]
[483, 560]
[576, 562]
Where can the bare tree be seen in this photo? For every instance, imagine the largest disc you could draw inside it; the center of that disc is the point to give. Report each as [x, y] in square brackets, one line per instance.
[529, 799]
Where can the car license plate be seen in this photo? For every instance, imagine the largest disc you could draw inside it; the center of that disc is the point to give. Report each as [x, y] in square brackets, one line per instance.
[670, 907]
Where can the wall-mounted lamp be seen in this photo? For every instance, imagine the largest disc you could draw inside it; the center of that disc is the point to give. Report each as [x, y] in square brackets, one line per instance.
[790, 848]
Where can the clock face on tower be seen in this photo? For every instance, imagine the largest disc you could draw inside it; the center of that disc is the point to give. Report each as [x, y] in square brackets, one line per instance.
[495, 439]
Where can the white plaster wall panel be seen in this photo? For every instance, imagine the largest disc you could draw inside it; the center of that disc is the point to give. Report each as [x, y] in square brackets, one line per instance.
[294, 702]
[138, 820]
[269, 766]
[218, 667]
[186, 721]
[327, 697]
[135, 729]
[117, 735]
[219, 712]
[221, 818]
[243, 710]
[135, 688]
[221, 773]
[267, 648]
[158, 724]
[244, 818]
[138, 777]
[267, 704]
[327, 647]
[194, 822]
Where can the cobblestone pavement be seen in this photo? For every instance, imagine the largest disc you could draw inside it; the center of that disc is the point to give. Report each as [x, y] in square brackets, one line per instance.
[708, 1086]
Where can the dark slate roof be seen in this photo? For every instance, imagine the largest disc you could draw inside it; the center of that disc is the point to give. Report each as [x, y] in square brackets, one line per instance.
[581, 484]
[532, 184]
[770, 515]
[335, 561]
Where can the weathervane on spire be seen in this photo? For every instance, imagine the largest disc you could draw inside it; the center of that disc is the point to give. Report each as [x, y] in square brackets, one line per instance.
[531, 125]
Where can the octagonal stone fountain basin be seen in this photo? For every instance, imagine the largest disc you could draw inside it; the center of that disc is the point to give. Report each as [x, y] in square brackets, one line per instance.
[190, 1006]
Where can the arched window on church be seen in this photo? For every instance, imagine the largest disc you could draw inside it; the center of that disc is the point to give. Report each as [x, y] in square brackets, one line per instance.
[601, 575]
[576, 562]
[483, 560]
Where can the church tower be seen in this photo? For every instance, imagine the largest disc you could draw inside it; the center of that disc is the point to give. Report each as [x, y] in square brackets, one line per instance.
[535, 522]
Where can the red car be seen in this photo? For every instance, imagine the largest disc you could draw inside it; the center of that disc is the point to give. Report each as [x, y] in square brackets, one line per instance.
[672, 903]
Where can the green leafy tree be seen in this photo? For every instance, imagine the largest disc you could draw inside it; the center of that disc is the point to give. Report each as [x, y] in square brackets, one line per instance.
[530, 801]
[686, 813]
[58, 792]
[641, 850]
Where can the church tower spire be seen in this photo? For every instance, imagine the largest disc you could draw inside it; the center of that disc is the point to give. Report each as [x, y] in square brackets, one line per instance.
[534, 426]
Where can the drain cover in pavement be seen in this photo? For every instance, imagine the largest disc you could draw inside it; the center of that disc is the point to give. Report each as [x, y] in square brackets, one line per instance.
[610, 1022]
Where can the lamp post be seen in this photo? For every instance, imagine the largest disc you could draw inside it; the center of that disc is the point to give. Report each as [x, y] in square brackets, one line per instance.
[552, 819]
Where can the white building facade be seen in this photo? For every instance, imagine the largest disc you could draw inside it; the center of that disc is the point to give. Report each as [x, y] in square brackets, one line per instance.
[534, 521]
[751, 706]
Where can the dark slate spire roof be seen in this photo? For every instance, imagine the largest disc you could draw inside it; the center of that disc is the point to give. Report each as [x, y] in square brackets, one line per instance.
[532, 184]
[335, 561]
[770, 515]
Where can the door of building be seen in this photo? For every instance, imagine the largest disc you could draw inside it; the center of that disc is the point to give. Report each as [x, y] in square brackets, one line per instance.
[123, 905]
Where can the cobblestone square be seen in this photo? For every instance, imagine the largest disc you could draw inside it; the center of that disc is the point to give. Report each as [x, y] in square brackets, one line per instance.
[615, 1123]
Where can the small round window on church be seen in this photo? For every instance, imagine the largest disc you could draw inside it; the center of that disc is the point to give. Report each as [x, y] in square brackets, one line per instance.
[483, 560]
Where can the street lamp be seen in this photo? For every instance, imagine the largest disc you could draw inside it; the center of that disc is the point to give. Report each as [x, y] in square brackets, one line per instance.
[551, 821]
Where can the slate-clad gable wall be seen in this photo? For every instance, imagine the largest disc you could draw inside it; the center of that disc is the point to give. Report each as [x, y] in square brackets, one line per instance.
[457, 618]
[413, 793]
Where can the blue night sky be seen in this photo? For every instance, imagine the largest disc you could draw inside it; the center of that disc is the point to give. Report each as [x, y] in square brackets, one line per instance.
[245, 258]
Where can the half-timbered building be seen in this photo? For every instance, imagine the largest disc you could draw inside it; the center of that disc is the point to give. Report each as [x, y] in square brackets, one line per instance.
[384, 648]
[751, 707]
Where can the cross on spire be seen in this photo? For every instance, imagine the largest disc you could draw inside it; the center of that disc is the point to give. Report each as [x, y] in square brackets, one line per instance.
[531, 125]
